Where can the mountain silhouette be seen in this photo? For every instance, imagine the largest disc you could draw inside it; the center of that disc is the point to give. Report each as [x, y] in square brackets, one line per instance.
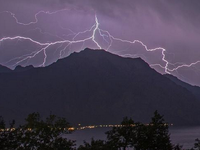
[4, 69]
[194, 89]
[96, 87]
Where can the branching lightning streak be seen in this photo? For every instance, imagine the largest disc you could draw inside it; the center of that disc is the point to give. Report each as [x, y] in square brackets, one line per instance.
[185, 65]
[47, 45]
[94, 30]
[35, 16]
[21, 57]
[23, 38]
[145, 46]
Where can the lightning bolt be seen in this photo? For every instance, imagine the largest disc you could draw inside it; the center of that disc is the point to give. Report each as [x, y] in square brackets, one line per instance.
[94, 32]
[185, 65]
[145, 46]
[35, 16]
[48, 44]
[62, 44]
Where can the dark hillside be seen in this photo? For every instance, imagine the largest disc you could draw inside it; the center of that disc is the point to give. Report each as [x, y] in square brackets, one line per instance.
[96, 87]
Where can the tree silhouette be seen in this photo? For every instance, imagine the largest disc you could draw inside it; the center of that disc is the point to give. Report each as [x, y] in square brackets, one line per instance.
[158, 136]
[96, 145]
[2, 123]
[154, 136]
[141, 137]
[123, 136]
[8, 138]
[197, 144]
[178, 147]
[38, 134]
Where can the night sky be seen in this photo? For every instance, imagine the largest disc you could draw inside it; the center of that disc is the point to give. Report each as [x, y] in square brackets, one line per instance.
[39, 32]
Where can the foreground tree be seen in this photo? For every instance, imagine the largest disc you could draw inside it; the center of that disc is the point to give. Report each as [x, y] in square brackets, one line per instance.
[2, 123]
[158, 136]
[154, 136]
[96, 145]
[38, 134]
[197, 144]
[178, 147]
[141, 137]
[8, 137]
[123, 136]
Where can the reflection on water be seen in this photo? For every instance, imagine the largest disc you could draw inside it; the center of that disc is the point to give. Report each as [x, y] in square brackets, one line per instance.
[183, 136]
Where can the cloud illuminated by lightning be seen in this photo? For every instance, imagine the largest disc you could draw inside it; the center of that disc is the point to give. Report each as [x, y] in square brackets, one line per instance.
[93, 32]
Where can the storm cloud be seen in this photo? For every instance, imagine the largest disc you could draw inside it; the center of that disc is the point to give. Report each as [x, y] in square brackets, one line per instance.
[172, 24]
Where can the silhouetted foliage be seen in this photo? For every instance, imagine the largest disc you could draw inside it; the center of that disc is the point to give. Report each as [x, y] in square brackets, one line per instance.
[96, 145]
[154, 136]
[123, 136]
[2, 123]
[197, 144]
[158, 134]
[8, 138]
[38, 134]
[177, 147]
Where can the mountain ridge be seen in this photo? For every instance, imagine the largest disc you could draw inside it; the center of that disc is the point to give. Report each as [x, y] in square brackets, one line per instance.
[4, 69]
[194, 89]
[96, 87]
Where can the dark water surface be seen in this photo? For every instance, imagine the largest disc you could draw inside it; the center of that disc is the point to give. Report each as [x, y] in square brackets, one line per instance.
[184, 136]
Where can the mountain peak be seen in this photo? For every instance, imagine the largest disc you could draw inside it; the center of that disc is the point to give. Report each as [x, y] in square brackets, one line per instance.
[89, 51]
[94, 87]
[102, 58]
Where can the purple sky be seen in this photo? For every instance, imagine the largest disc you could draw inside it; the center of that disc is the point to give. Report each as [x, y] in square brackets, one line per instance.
[170, 24]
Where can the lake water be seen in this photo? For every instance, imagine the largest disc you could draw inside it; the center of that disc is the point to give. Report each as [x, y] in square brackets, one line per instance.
[183, 136]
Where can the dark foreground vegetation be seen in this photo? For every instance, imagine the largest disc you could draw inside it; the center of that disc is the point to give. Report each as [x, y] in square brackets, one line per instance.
[38, 134]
